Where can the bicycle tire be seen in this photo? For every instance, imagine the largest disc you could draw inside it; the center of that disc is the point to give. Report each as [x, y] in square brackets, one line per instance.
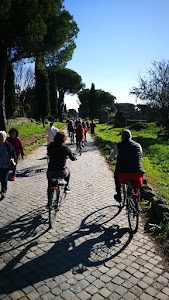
[133, 214]
[53, 208]
[123, 195]
[62, 194]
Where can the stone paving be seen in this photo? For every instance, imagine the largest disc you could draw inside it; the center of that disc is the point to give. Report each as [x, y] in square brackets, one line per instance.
[89, 253]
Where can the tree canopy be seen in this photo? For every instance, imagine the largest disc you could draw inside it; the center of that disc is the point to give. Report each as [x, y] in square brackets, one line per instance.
[29, 28]
[103, 101]
[67, 81]
[153, 89]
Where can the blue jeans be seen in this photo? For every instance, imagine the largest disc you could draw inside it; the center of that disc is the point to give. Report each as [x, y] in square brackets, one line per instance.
[4, 179]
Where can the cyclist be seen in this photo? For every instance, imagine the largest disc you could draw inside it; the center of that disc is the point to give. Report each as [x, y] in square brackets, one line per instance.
[80, 132]
[85, 130]
[128, 166]
[58, 153]
[70, 128]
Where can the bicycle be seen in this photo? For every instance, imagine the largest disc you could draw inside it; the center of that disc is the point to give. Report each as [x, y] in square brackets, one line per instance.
[57, 187]
[131, 198]
[72, 137]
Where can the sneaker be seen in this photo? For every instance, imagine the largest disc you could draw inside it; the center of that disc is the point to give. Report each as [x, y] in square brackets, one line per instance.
[3, 195]
[13, 178]
[117, 197]
[67, 190]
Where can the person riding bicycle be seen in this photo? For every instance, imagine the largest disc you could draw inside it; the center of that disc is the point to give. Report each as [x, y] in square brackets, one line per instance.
[58, 154]
[80, 133]
[129, 165]
[70, 127]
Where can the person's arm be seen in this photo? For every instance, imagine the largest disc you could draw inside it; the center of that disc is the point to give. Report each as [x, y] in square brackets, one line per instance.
[70, 154]
[114, 153]
[141, 150]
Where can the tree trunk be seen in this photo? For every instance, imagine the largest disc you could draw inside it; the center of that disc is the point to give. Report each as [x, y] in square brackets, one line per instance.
[3, 71]
[61, 105]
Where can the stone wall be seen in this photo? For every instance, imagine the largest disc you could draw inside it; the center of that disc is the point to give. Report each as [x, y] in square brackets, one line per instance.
[18, 121]
[159, 210]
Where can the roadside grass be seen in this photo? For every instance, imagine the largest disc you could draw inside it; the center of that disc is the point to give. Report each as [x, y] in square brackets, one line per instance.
[36, 133]
[30, 128]
[155, 152]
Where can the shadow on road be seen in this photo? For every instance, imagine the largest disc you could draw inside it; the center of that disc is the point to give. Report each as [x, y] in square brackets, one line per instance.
[31, 171]
[97, 240]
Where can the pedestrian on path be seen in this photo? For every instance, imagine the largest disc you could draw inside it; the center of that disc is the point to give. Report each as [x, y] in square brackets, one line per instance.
[16, 142]
[92, 127]
[51, 132]
[7, 153]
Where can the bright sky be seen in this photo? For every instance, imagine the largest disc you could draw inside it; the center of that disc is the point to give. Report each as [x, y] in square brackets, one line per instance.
[118, 41]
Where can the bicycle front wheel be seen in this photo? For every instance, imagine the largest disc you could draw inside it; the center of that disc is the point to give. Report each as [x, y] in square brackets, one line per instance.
[133, 214]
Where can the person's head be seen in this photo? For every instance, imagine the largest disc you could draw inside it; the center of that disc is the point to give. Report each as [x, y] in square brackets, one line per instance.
[60, 138]
[126, 135]
[13, 132]
[79, 126]
[51, 124]
[3, 136]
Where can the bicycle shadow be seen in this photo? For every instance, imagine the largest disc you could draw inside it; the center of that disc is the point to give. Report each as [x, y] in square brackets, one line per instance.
[91, 245]
[31, 226]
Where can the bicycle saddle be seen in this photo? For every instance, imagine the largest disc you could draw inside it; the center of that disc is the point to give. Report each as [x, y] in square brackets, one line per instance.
[58, 181]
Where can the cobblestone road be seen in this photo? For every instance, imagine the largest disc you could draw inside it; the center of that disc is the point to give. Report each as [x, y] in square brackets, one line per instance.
[89, 254]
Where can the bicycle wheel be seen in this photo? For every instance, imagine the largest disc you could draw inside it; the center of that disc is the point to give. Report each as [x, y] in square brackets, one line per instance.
[53, 207]
[133, 214]
[72, 138]
[61, 195]
[123, 195]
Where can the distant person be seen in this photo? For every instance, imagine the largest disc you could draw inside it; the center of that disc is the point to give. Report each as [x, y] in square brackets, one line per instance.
[129, 165]
[80, 134]
[7, 153]
[16, 142]
[92, 127]
[85, 130]
[51, 132]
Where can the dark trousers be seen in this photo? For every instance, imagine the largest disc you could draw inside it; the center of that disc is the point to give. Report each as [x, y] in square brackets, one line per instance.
[117, 183]
[4, 179]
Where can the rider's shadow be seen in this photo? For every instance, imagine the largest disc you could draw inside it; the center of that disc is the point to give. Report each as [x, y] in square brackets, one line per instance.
[92, 244]
[31, 171]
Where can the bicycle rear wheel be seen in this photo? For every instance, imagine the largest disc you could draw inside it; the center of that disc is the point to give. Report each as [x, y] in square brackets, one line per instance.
[123, 195]
[53, 208]
[133, 214]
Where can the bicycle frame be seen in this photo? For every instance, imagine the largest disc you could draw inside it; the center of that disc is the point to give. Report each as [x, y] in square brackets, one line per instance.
[72, 137]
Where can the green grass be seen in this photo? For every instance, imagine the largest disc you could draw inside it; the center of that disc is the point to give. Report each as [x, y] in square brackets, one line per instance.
[30, 128]
[155, 153]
